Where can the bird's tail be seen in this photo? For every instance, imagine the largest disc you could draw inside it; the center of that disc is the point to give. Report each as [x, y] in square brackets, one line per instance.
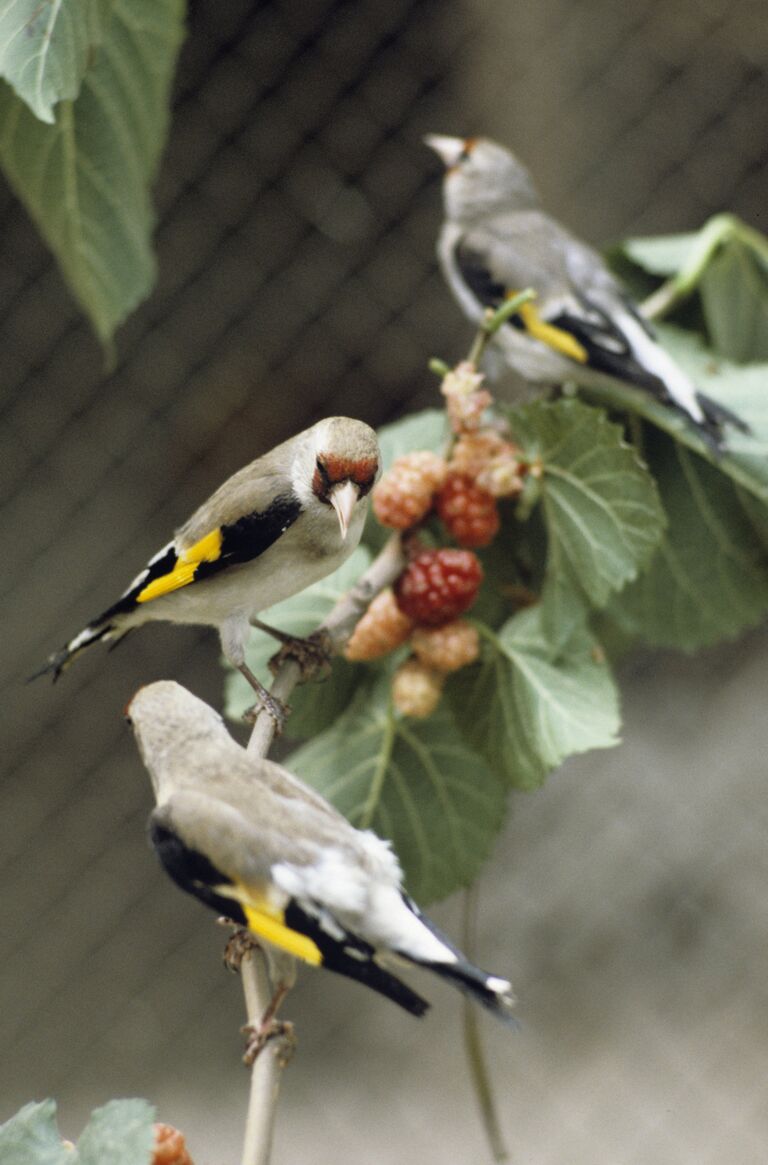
[370, 974]
[59, 660]
[490, 991]
[715, 416]
[355, 959]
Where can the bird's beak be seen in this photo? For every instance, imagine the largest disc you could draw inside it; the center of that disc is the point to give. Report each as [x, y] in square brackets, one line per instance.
[448, 149]
[343, 498]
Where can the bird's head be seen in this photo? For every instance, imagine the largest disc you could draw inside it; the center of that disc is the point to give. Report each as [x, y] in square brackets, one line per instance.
[337, 466]
[481, 176]
[167, 719]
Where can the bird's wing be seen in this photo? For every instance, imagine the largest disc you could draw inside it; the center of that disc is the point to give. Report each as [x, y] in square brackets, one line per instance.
[580, 310]
[214, 852]
[207, 545]
[210, 850]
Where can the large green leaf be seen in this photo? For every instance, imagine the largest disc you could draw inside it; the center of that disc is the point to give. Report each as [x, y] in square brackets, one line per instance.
[121, 1133]
[709, 579]
[601, 506]
[425, 430]
[45, 48]
[530, 702]
[742, 388]
[727, 263]
[734, 294]
[85, 179]
[414, 781]
[661, 254]
[315, 704]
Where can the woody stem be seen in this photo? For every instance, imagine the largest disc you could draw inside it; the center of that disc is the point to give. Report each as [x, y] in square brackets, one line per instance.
[257, 986]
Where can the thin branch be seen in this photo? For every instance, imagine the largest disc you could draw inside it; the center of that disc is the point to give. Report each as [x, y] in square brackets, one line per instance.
[338, 627]
[493, 320]
[720, 229]
[473, 1046]
[267, 1067]
[255, 970]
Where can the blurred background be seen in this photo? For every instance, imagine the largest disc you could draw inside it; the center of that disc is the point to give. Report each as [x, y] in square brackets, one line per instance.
[297, 213]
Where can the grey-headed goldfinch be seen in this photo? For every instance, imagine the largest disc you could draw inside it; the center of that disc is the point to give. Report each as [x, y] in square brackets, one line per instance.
[275, 527]
[253, 842]
[496, 241]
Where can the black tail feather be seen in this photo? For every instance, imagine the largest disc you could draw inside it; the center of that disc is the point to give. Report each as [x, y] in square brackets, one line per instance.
[490, 991]
[371, 975]
[59, 660]
[715, 417]
[718, 414]
[479, 986]
[355, 959]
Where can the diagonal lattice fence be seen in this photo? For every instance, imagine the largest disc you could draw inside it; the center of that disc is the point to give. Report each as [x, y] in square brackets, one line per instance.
[297, 216]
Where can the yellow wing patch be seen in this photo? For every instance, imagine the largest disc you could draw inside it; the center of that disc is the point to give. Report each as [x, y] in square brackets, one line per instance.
[268, 923]
[207, 549]
[553, 337]
[280, 935]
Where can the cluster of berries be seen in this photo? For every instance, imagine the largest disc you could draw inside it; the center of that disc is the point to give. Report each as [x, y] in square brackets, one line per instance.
[438, 586]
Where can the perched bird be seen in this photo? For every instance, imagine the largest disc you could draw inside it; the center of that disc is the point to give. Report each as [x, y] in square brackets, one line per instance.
[582, 326]
[253, 842]
[281, 523]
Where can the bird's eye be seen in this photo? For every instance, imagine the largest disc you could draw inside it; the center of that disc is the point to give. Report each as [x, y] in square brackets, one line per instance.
[469, 145]
[364, 486]
[323, 472]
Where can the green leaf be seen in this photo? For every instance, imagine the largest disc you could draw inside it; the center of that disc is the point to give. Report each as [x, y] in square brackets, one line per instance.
[742, 389]
[709, 579]
[734, 293]
[601, 506]
[85, 179]
[530, 702]
[757, 514]
[120, 1133]
[315, 704]
[413, 781]
[45, 48]
[31, 1137]
[425, 430]
[727, 262]
[662, 254]
[739, 387]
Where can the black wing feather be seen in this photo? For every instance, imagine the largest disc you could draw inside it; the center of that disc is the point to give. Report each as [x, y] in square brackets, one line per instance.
[193, 872]
[354, 958]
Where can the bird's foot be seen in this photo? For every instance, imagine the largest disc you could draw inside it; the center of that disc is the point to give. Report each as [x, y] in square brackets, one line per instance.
[279, 1031]
[271, 1028]
[312, 653]
[239, 944]
[266, 702]
[273, 707]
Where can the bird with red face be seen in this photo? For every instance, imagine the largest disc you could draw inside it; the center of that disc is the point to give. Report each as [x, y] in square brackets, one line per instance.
[275, 527]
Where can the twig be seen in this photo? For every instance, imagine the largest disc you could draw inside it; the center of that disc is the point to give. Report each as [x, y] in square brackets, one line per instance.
[267, 1068]
[493, 320]
[338, 626]
[257, 980]
[720, 229]
[478, 1069]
